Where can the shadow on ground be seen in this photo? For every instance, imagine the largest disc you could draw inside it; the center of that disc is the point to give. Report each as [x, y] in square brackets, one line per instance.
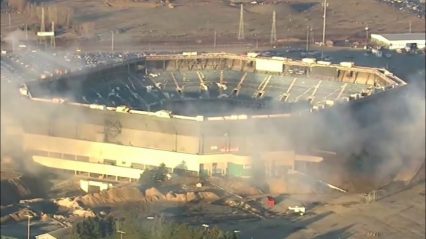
[341, 233]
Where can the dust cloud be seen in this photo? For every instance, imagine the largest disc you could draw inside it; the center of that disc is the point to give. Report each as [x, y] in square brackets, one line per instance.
[15, 108]
[377, 138]
[381, 138]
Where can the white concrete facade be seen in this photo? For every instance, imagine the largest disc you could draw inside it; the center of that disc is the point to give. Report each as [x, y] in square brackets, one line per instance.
[399, 41]
[98, 156]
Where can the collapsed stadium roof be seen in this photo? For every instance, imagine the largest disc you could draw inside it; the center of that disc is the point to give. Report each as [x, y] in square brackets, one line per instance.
[214, 85]
[208, 112]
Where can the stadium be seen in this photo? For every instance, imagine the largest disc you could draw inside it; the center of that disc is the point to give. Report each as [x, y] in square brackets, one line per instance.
[212, 113]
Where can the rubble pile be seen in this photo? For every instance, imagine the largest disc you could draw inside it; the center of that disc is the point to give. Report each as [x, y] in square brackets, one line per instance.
[249, 207]
[74, 207]
[134, 194]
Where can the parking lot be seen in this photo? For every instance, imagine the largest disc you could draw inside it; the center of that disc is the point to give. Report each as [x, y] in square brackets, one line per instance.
[36, 64]
[412, 6]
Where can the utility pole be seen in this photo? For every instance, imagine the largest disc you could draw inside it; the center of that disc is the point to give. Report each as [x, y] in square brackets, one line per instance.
[13, 44]
[52, 38]
[308, 29]
[325, 5]
[42, 26]
[28, 226]
[112, 41]
[241, 34]
[366, 36]
[214, 40]
[273, 29]
[26, 32]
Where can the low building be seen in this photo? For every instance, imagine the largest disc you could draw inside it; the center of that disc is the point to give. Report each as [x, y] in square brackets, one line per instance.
[61, 233]
[399, 40]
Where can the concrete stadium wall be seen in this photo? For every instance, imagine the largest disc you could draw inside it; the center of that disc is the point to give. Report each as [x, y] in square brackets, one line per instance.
[98, 152]
[176, 135]
[96, 158]
[96, 168]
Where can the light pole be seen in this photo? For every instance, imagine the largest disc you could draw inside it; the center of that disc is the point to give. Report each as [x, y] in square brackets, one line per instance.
[308, 31]
[112, 41]
[26, 32]
[214, 40]
[366, 36]
[28, 226]
[121, 234]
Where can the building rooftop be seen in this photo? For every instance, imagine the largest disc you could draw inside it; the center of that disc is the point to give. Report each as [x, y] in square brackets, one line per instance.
[59, 233]
[404, 36]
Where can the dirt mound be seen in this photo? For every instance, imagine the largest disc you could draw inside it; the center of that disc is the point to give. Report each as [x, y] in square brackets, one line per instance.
[113, 196]
[208, 196]
[191, 197]
[134, 194]
[176, 197]
[152, 194]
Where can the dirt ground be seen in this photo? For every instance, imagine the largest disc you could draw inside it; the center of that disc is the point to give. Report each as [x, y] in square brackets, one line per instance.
[194, 22]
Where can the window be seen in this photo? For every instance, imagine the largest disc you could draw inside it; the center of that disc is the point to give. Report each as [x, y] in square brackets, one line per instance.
[110, 162]
[55, 155]
[82, 158]
[138, 166]
[68, 156]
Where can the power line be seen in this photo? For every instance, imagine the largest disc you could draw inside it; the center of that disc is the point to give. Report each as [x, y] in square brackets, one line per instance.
[112, 41]
[325, 5]
[214, 39]
[241, 34]
[42, 26]
[52, 38]
[26, 32]
[274, 29]
[308, 30]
